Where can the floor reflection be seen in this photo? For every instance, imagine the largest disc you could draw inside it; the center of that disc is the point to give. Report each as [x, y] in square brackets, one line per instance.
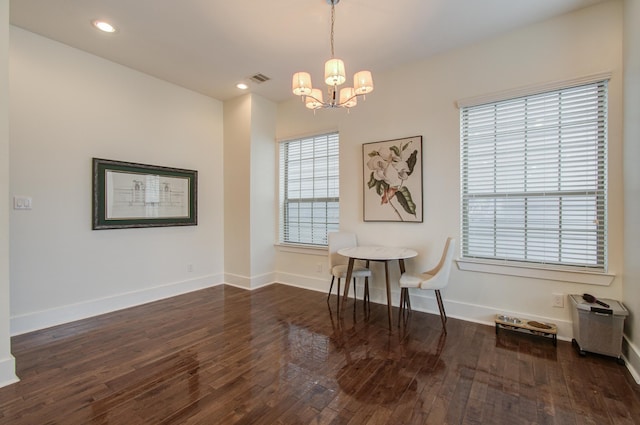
[154, 384]
[375, 381]
[380, 378]
[532, 345]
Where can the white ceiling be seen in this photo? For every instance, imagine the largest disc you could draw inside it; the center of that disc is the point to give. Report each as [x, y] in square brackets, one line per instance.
[210, 45]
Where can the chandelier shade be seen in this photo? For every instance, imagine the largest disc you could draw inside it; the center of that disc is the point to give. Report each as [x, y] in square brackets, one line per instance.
[348, 97]
[314, 100]
[362, 82]
[334, 76]
[301, 83]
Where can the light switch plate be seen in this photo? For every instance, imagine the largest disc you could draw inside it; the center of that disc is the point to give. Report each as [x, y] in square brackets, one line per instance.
[22, 202]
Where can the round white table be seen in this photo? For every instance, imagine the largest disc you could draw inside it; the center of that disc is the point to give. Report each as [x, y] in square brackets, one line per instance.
[376, 253]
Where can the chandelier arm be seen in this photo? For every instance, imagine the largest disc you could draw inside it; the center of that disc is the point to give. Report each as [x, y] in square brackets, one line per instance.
[343, 104]
[304, 98]
[349, 99]
[334, 102]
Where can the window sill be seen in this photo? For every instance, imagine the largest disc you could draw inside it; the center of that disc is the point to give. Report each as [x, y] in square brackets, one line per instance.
[563, 275]
[302, 249]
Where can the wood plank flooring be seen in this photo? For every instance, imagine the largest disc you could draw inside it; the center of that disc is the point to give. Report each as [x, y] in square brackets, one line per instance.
[279, 355]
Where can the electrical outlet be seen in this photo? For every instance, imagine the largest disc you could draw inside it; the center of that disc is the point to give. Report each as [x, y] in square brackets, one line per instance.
[189, 268]
[558, 300]
[319, 267]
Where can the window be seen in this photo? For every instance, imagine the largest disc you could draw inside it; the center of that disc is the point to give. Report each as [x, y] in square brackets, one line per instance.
[309, 195]
[533, 178]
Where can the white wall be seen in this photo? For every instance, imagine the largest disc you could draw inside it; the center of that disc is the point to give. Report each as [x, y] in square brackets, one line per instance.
[66, 107]
[249, 198]
[7, 362]
[632, 179]
[237, 190]
[263, 171]
[419, 99]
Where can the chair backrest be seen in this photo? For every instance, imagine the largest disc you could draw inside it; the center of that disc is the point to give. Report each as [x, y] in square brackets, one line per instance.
[339, 240]
[442, 271]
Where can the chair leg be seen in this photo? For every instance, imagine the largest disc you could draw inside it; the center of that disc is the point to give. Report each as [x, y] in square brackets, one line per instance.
[366, 290]
[441, 304]
[367, 299]
[443, 314]
[355, 294]
[338, 303]
[401, 306]
[405, 303]
[331, 287]
[355, 297]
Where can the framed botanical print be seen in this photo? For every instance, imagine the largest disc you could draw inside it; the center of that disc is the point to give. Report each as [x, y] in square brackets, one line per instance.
[392, 172]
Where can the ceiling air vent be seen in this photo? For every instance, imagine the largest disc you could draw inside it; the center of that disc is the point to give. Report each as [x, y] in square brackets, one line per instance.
[259, 78]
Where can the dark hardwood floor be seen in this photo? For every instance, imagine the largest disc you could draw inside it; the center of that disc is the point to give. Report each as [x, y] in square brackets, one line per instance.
[278, 355]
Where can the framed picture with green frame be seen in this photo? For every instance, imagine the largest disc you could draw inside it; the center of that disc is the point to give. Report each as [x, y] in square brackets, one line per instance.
[127, 195]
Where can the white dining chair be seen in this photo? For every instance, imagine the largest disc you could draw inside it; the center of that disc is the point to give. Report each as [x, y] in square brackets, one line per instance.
[339, 264]
[434, 279]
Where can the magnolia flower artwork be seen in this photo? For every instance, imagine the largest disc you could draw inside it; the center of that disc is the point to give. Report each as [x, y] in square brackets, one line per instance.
[393, 180]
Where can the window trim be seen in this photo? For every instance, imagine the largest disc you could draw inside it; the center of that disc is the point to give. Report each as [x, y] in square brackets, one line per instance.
[294, 246]
[565, 273]
[544, 272]
[319, 250]
[531, 90]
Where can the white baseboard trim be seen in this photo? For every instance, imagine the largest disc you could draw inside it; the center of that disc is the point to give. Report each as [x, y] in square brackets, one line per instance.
[425, 301]
[44, 319]
[237, 281]
[250, 283]
[8, 371]
[631, 356]
[304, 282]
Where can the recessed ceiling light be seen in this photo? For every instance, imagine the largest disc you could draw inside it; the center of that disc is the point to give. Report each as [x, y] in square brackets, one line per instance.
[104, 26]
[242, 86]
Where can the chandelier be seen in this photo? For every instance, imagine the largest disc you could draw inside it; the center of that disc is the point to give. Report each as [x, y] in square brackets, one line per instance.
[334, 76]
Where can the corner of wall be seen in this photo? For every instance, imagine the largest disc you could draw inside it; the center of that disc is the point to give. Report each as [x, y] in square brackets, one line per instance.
[632, 358]
[7, 362]
[250, 283]
[7, 371]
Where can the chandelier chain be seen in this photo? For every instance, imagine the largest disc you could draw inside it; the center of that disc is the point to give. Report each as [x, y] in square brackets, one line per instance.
[333, 20]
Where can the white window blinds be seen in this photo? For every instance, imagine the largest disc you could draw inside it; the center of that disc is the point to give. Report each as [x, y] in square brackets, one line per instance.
[533, 178]
[309, 189]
